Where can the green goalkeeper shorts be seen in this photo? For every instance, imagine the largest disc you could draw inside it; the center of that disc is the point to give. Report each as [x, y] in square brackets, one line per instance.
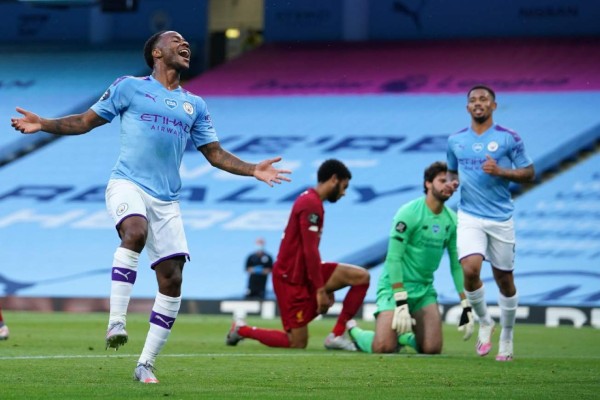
[419, 296]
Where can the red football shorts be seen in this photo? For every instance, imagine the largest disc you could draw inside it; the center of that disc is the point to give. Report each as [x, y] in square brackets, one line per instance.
[298, 303]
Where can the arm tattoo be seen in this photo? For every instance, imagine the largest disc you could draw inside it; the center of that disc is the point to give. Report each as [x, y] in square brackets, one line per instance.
[222, 159]
[520, 175]
[73, 124]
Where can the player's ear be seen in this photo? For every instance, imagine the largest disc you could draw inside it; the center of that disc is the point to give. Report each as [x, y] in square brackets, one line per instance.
[156, 53]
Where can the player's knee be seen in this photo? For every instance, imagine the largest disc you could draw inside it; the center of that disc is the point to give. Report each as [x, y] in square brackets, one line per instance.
[507, 289]
[471, 274]
[362, 278]
[298, 344]
[384, 347]
[431, 348]
[175, 280]
[134, 238]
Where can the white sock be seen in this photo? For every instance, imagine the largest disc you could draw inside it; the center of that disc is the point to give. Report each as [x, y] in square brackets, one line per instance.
[508, 315]
[162, 318]
[477, 300]
[124, 273]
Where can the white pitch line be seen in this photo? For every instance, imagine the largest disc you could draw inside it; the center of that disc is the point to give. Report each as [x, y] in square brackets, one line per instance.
[76, 356]
[273, 355]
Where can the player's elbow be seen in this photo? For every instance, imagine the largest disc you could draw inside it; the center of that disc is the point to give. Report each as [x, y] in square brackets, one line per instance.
[531, 174]
[526, 175]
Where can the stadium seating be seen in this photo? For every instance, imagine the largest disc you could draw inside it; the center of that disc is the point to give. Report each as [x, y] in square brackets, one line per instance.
[53, 83]
[362, 105]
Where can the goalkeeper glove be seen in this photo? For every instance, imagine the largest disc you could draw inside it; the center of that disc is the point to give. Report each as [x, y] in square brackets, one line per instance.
[466, 320]
[402, 321]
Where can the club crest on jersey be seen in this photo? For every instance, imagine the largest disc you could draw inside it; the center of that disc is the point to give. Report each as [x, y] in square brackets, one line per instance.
[435, 228]
[106, 95]
[188, 107]
[492, 146]
[477, 147]
[400, 227]
[122, 208]
[171, 103]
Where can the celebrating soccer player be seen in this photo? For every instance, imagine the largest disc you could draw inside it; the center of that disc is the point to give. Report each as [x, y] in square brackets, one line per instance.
[303, 284]
[483, 155]
[158, 117]
[422, 229]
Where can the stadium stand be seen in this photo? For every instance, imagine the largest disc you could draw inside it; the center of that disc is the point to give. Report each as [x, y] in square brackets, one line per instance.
[386, 110]
[558, 224]
[55, 82]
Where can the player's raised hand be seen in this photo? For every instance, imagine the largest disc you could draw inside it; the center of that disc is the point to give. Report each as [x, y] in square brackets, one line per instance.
[452, 186]
[28, 123]
[265, 172]
[402, 321]
[452, 181]
[465, 324]
[490, 166]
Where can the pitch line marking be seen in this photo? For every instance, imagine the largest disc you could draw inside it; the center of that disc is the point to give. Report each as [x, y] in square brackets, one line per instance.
[123, 355]
[270, 355]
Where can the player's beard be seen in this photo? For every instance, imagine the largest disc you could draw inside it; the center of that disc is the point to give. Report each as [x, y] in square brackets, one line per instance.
[439, 195]
[480, 120]
[335, 194]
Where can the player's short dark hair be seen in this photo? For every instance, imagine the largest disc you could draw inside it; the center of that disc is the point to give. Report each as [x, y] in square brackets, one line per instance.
[333, 167]
[149, 46]
[484, 87]
[432, 171]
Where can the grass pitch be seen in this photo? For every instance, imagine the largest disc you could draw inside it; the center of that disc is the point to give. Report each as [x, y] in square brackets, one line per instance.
[62, 356]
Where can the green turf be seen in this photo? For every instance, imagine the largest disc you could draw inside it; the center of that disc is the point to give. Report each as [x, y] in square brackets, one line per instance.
[62, 356]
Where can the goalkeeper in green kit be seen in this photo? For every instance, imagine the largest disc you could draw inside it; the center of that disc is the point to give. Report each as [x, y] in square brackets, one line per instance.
[407, 310]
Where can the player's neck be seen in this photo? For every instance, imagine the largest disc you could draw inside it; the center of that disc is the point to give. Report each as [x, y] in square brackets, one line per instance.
[321, 191]
[479, 128]
[168, 78]
[434, 204]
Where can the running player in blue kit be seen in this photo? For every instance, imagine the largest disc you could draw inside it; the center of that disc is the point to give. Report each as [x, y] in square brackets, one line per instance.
[158, 117]
[487, 157]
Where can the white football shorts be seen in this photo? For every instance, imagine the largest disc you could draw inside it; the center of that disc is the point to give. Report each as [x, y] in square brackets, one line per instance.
[494, 240]
[166, 237]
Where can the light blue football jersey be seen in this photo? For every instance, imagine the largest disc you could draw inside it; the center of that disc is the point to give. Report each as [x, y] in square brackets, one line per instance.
[155, 126]
[483, 195]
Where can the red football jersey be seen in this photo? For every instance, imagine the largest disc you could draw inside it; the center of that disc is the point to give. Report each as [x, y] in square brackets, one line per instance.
[298, 260]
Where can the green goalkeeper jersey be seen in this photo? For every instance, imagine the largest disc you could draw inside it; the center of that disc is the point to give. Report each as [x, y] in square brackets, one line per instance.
[417, 242]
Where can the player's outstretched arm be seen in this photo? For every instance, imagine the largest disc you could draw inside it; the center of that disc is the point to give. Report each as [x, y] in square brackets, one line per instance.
[263, 171]
[69, 125]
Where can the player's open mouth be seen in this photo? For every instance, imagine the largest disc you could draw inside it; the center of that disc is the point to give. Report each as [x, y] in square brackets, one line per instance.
[185, 53]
